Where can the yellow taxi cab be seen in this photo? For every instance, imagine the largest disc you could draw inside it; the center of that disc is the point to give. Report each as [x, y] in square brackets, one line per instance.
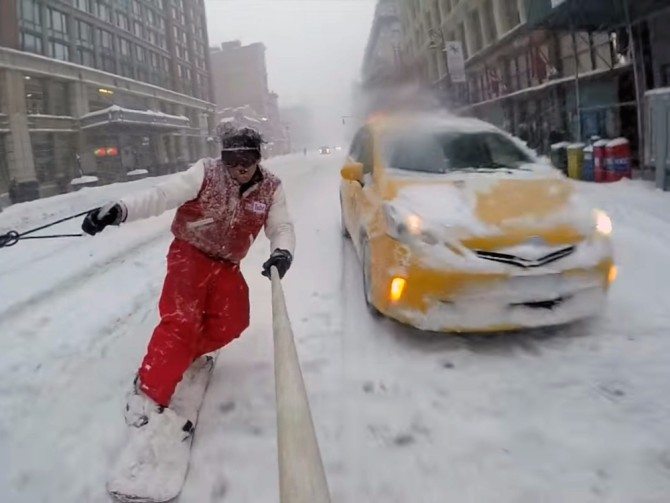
[460, 227]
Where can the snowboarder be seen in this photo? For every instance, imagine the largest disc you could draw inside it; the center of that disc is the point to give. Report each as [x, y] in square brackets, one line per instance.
[222, 206]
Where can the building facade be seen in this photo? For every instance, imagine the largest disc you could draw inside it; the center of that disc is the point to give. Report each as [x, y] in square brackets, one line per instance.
[383, 66]
[383, 47]
[544, 82]
[240, 76]
[100, 88]
[240, 80]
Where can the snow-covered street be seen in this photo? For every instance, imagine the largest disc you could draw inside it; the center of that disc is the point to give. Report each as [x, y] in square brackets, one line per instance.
[576, 414]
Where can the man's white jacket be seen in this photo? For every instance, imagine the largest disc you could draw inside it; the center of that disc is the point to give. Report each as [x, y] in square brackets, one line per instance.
[185, 186]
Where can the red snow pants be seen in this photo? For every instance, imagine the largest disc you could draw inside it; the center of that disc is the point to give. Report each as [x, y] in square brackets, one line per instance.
[203, 307]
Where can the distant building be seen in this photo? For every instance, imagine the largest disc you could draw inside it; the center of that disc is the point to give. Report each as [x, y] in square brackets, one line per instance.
[240, 80]
[383, 50]
[240, 76]
[127, 79]
[388, 79]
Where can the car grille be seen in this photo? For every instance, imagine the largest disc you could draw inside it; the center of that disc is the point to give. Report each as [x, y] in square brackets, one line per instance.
[523, 262]
[541, 304]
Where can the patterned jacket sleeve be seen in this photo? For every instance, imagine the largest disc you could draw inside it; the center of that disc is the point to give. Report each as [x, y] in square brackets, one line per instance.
[279, 225]
[167, 195]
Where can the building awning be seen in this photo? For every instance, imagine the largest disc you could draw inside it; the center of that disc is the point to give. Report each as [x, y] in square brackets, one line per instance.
[588, 15]
[116, 115]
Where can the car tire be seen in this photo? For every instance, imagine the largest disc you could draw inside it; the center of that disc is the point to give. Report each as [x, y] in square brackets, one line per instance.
[345, 232]
[367, 279]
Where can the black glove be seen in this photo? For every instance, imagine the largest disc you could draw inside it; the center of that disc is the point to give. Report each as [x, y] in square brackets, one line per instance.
[281, 259]
[96, 220]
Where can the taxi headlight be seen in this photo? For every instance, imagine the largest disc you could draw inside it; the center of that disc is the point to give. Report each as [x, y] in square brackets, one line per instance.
[400, 226]
[603, 223]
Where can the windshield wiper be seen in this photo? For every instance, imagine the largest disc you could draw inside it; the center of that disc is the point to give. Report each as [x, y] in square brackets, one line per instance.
[492, 168]
[498, 165]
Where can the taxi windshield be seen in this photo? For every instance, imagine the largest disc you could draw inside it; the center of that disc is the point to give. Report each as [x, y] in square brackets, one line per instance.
[444, 152]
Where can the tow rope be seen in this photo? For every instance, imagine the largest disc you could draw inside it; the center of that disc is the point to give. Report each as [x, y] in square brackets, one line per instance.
[12, 237]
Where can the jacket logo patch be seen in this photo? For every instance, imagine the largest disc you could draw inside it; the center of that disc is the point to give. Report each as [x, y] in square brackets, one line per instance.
[257, 207]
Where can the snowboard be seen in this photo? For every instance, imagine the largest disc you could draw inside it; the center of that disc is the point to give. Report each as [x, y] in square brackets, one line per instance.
[153, 463]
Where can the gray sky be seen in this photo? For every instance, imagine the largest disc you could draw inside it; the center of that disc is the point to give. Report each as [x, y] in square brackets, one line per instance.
[314, 49]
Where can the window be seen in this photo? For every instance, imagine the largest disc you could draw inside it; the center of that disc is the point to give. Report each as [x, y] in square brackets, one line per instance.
[104, 12]
[84, 32]
[567, 50]
[57, 21]
[59, 98]
[85, 6]
[489, 27]
[42, 145]
[476, 25]
[106, 39]
[127, 70]
[602, 50]
[140, 53]
[510, 14]
[446, 152]
[138, 29]
[31, 43]
[122, 21]
[155, 61]
[108, 63]
[124, 46]
[85, 57]
[30, 13]
[36, 96]
[60, 51]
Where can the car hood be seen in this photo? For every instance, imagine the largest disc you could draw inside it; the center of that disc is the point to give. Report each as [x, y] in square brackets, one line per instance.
[490, 211]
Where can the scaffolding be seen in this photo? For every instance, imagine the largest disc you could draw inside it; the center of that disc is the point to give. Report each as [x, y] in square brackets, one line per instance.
[614, 16]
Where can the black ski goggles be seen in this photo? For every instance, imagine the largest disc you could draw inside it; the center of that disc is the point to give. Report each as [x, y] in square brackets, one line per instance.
[240, 158]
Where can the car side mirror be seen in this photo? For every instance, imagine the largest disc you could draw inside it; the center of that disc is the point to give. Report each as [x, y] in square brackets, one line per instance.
[353, 172]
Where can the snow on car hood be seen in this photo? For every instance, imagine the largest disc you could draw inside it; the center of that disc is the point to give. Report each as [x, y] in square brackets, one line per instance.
[482, 204]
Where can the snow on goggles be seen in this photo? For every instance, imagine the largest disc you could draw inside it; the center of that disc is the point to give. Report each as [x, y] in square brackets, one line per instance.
[242, 158]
